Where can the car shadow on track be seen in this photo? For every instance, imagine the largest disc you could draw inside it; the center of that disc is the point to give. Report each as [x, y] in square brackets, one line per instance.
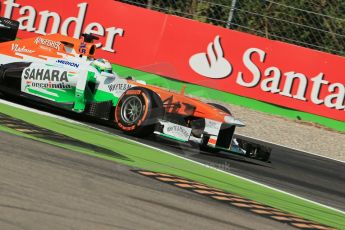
[182, 149]
[193, 151]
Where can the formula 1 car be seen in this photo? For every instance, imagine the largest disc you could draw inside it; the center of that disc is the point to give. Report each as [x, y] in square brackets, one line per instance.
[62, 72]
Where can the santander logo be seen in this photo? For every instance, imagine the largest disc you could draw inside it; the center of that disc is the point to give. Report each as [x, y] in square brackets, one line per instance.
[273, 80]
[211, 64]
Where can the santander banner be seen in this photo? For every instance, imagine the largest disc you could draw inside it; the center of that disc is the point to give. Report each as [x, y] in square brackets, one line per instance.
[227, 60]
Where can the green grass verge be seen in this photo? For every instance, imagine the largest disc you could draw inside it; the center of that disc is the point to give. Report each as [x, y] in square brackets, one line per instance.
[213, 94]
[147, 158]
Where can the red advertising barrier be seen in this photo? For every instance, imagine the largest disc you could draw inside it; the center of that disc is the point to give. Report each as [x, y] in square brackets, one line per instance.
[108, 19]
[227, 60]
[255, 67]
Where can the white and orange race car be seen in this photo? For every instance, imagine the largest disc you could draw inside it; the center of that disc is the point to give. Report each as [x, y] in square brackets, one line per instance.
[62, 72]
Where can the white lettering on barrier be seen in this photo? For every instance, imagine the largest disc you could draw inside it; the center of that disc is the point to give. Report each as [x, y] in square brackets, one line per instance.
[334, 100]
[28, 16]
[273, 76]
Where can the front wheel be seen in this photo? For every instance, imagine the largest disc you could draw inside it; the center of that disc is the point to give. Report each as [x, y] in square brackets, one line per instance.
[261, 153]
[137, 111]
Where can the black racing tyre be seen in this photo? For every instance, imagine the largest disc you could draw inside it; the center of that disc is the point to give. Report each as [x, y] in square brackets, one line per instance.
[257, 152]
[263, 154]
[220, 107]
[137, 111]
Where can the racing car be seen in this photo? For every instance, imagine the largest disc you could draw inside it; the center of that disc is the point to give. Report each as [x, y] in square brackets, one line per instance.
[63, 72]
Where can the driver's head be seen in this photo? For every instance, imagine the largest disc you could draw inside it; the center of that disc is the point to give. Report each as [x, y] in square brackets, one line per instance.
[102, 65]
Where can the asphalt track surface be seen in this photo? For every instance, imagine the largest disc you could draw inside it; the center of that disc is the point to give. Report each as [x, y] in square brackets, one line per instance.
[312, 177]
[47, 187]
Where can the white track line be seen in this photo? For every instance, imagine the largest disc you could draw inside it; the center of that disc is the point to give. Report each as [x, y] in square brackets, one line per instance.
[169, 153]
[219, 170]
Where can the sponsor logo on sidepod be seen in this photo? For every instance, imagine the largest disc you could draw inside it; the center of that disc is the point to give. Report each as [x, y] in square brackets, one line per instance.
[48, 43]
[72, 64]
[21, 49]
[49, 85]
[178, 130]
[45, 75]
[122, 87]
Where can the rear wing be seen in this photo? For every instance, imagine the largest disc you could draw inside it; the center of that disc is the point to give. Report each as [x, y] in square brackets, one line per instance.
[8, 29]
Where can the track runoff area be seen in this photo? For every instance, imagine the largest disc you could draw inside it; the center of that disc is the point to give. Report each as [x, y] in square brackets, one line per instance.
[165, 165]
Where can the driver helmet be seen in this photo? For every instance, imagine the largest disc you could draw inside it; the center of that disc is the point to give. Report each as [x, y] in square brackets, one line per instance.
[102, 65]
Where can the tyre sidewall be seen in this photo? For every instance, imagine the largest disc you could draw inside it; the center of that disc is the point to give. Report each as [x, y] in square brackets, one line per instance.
[146, 105]
[151, 110]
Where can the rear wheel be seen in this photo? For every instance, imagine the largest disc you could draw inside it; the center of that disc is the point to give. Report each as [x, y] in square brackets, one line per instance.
[137, 111]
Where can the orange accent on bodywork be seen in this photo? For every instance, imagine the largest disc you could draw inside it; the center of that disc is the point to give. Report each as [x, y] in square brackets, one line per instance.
[133, 92]
[183, 104]
[212, 141]
[40, 50]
